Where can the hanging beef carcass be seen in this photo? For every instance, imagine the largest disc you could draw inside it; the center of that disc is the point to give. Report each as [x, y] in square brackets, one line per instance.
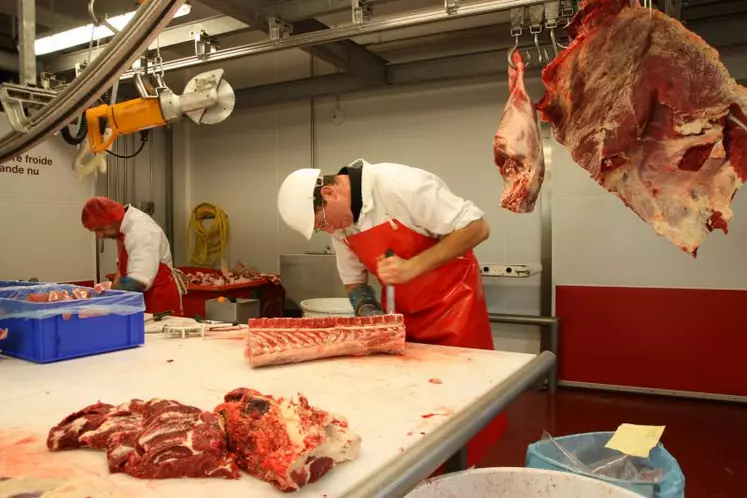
[649, 110]
[517, 146]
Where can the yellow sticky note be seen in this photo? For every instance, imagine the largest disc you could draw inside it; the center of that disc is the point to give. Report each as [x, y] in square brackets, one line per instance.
[636, 440]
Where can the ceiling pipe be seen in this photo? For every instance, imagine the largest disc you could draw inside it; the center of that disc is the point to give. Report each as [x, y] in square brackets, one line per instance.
[346, 32]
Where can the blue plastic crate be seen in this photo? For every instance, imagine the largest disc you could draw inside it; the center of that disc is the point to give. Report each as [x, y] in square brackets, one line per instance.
[19, 283]
[590, 447]
[49, 332]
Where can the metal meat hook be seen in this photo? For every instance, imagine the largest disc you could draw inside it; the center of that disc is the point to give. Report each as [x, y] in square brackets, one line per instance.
[511, 52]
[96, 20]
[517, 21]
[555, 43]
[541, 58]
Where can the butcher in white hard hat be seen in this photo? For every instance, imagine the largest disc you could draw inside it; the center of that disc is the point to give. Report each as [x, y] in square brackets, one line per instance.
[370, 209]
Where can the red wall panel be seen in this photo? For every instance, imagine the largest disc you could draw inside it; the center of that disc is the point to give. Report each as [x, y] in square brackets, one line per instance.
[679, 339]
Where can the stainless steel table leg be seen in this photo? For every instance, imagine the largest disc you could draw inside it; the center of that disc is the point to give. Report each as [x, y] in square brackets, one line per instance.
[549, 338]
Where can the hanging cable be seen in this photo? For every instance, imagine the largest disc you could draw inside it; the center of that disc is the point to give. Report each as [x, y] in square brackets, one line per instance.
[209, 243]
[144, 135]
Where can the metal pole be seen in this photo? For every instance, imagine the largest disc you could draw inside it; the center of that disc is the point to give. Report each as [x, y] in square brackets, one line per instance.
[125, 168]
[550, 327]
[401, 475]
[312, 119]
[345, 32]
[168, 144]
[26, 38]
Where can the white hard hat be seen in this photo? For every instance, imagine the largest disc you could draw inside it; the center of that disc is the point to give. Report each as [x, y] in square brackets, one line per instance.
[296, 200]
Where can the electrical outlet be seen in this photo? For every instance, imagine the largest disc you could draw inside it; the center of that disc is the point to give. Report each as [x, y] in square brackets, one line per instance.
[512, 271]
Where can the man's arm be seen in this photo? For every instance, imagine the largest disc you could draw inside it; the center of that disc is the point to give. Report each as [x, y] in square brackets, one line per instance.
[355, 278]
[432, 206]
[452, 246]
[143, 260]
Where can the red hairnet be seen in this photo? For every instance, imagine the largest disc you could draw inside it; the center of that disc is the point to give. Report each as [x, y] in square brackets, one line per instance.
[100, 211]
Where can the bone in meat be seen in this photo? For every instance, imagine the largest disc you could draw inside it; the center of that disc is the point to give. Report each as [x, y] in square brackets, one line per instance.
[276, 341]
[285, 442]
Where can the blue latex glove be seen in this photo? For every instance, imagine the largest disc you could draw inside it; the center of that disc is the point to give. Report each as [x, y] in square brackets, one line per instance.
[362, 296]
[128, 284]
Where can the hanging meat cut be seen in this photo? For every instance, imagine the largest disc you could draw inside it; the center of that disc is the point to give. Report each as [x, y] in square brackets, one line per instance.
[276, 341]
[517, 147]
[284, 442]
[649, 110]
[156, 439]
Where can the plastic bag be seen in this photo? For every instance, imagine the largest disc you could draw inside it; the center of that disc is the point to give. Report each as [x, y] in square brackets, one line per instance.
[49, 300]
[593, 458]
[658, 476]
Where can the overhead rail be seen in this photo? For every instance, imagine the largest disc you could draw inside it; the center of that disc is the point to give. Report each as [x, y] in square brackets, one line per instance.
[283, 40]
[126, 46]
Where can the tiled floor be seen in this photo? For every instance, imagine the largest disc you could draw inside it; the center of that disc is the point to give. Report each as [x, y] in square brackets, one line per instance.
[709, 439]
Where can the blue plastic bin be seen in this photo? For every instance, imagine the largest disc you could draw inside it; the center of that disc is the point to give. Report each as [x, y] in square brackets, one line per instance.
[49, 332]
[19, 283]
[545, 455]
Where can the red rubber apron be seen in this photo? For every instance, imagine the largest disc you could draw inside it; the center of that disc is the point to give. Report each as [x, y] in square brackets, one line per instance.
[445, 306]
[163, 295]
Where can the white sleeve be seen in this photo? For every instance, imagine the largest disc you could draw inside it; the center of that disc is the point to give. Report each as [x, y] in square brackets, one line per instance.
[428, 201]
[143, 258]
[350, 268]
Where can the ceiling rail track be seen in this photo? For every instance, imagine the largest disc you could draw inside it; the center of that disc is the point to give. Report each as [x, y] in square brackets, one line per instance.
[345, 32]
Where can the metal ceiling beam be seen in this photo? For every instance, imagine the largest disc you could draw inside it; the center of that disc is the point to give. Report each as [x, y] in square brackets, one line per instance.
[463, 67]
[45, 18]
[412, 73]
[347, 31]
[346, 55]
[26, 38]
[298, 10]
[169, 37]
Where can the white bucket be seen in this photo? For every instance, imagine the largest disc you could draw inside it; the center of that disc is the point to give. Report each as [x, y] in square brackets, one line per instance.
[327, 306]
[517, 482]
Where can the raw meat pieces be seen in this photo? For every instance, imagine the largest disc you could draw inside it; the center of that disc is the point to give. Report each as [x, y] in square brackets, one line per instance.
[54, 296]
[66, 435]
[517, 147]
[276, 341]
[647, 108]
[240, 274]
[156, 439]
[285, 442]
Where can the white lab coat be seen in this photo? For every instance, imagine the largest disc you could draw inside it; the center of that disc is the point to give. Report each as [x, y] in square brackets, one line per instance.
[418, 199]
[146, 245]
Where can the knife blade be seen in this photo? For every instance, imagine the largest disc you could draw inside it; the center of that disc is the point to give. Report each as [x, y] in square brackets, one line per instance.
[389, 289]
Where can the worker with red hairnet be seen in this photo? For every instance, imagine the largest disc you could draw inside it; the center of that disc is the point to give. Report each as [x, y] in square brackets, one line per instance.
[143, 253]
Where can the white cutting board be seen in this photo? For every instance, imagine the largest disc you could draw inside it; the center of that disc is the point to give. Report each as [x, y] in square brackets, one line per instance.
[383, 398]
